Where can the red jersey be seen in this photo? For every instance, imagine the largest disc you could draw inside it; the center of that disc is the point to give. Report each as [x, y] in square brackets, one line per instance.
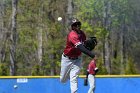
[92, 67]
[74, 39]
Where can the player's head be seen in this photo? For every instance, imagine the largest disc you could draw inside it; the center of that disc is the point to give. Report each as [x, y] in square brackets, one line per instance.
[76, 24]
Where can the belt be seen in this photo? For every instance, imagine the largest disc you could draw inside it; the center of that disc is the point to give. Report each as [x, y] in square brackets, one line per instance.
[72, 58]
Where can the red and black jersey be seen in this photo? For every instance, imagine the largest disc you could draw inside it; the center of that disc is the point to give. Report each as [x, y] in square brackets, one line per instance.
[74, 39]
[92, 67]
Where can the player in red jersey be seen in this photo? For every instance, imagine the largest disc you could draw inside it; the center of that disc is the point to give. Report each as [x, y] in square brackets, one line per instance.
[71, 57]
[91, 72]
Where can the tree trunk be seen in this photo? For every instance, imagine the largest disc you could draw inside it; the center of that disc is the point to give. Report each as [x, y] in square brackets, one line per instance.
[122, 45]
[13, 38]
[69, 13]
[40, 46]
[106, 49]
[1, 28]
[40, 35]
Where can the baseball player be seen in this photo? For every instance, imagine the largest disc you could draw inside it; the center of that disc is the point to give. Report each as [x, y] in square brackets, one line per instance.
[71, 57]
[91, 72]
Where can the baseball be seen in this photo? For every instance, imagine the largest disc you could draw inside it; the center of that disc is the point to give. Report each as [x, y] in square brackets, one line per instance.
[59, 19]
[15, 86]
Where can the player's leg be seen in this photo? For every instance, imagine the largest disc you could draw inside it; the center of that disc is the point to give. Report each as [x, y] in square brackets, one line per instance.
[91, 80]
[75, 70]
[65, 69]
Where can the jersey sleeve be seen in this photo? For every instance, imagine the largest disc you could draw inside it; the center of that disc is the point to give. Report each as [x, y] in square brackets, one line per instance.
[74, 39]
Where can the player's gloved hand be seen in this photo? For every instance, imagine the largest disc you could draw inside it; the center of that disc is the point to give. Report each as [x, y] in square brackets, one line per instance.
[85, 82]
[96, 70]
[86, 51]
[90, 43]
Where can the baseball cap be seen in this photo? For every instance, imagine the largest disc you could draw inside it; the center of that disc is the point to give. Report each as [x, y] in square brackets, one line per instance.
[75, 22]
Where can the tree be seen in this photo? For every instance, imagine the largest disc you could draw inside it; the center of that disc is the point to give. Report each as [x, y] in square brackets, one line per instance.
[130, 68]
[13, 38]
[31, 35]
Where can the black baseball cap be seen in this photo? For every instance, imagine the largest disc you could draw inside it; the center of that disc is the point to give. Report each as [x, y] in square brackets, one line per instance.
[75, 22]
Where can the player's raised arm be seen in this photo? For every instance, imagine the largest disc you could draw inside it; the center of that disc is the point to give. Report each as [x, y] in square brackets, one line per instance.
[86, 51]
[88, 46]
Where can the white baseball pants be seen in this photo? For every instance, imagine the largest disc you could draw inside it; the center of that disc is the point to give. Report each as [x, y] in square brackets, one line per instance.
[70, 69]
[91, 81]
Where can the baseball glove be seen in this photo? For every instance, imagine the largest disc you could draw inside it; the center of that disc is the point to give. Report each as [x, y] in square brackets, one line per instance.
[90, 43]
[86, 79]
[85, 82]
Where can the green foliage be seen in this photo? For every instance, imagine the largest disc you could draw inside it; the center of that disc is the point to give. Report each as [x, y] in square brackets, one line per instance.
[85, 63]
[3, 70]
[35, 15]
[116, 66]
[101, 67]
[36, 71]
[130, 68]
